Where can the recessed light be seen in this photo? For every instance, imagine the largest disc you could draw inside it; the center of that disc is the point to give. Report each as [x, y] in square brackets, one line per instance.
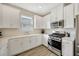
[40, 6]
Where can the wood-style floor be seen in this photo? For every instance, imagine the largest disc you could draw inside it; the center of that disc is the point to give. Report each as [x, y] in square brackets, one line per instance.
[39, 51]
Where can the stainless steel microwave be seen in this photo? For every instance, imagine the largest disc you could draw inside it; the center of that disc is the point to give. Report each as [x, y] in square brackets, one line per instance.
[57, 24]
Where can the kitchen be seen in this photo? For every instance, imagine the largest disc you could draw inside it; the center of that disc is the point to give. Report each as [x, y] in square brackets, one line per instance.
[50, 28]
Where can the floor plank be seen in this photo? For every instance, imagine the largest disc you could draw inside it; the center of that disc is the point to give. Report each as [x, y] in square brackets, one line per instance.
[39, 51]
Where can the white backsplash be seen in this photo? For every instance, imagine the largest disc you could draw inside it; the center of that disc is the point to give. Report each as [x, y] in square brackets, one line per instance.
[15, 32]
[69, 30]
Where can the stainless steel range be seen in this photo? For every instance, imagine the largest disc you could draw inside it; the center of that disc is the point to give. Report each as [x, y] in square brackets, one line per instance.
[55, 43]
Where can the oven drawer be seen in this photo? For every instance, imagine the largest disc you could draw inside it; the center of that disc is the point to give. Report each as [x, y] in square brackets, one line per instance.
[54, 50]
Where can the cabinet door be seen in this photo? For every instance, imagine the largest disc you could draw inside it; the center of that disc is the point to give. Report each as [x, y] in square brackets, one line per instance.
[67, 48]
[15, 46]
[42, 22]
[33, 42]
[68, 16]
[38, 40]
[60, 12]
[1, 21]
[11, 17]
[45, 40]
[25, 43]
[38, 22]
[3, 51]
[3, 48]
[46, 21]
[53, 15]
[76, 5]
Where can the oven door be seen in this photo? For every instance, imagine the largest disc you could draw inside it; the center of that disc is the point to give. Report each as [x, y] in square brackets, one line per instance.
[54, 44]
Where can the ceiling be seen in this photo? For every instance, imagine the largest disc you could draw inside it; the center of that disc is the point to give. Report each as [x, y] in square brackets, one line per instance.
[38, 8]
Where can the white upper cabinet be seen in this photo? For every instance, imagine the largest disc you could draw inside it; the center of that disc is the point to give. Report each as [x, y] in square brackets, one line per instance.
[42, 22]
[47, 21]
[60, 12]
[10, 16]
[57, 13]
[38, 21]
[69, 16]
[76, 5]
[53, 15]
[1, 16]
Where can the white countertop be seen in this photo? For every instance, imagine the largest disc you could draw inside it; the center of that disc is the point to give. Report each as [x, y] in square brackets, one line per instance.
[68, 38]
[45, 35]
[10, 37]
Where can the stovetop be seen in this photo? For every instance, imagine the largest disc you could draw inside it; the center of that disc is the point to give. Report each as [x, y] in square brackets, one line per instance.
[58, 35]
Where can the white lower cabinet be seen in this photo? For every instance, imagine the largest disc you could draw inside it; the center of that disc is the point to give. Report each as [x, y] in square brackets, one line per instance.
[38, 40]
[35, 41]
[26, 43]
[15, 46]
[3, 50]
[32, 42]
[67, 47]
[18, 45]
[45, 40]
